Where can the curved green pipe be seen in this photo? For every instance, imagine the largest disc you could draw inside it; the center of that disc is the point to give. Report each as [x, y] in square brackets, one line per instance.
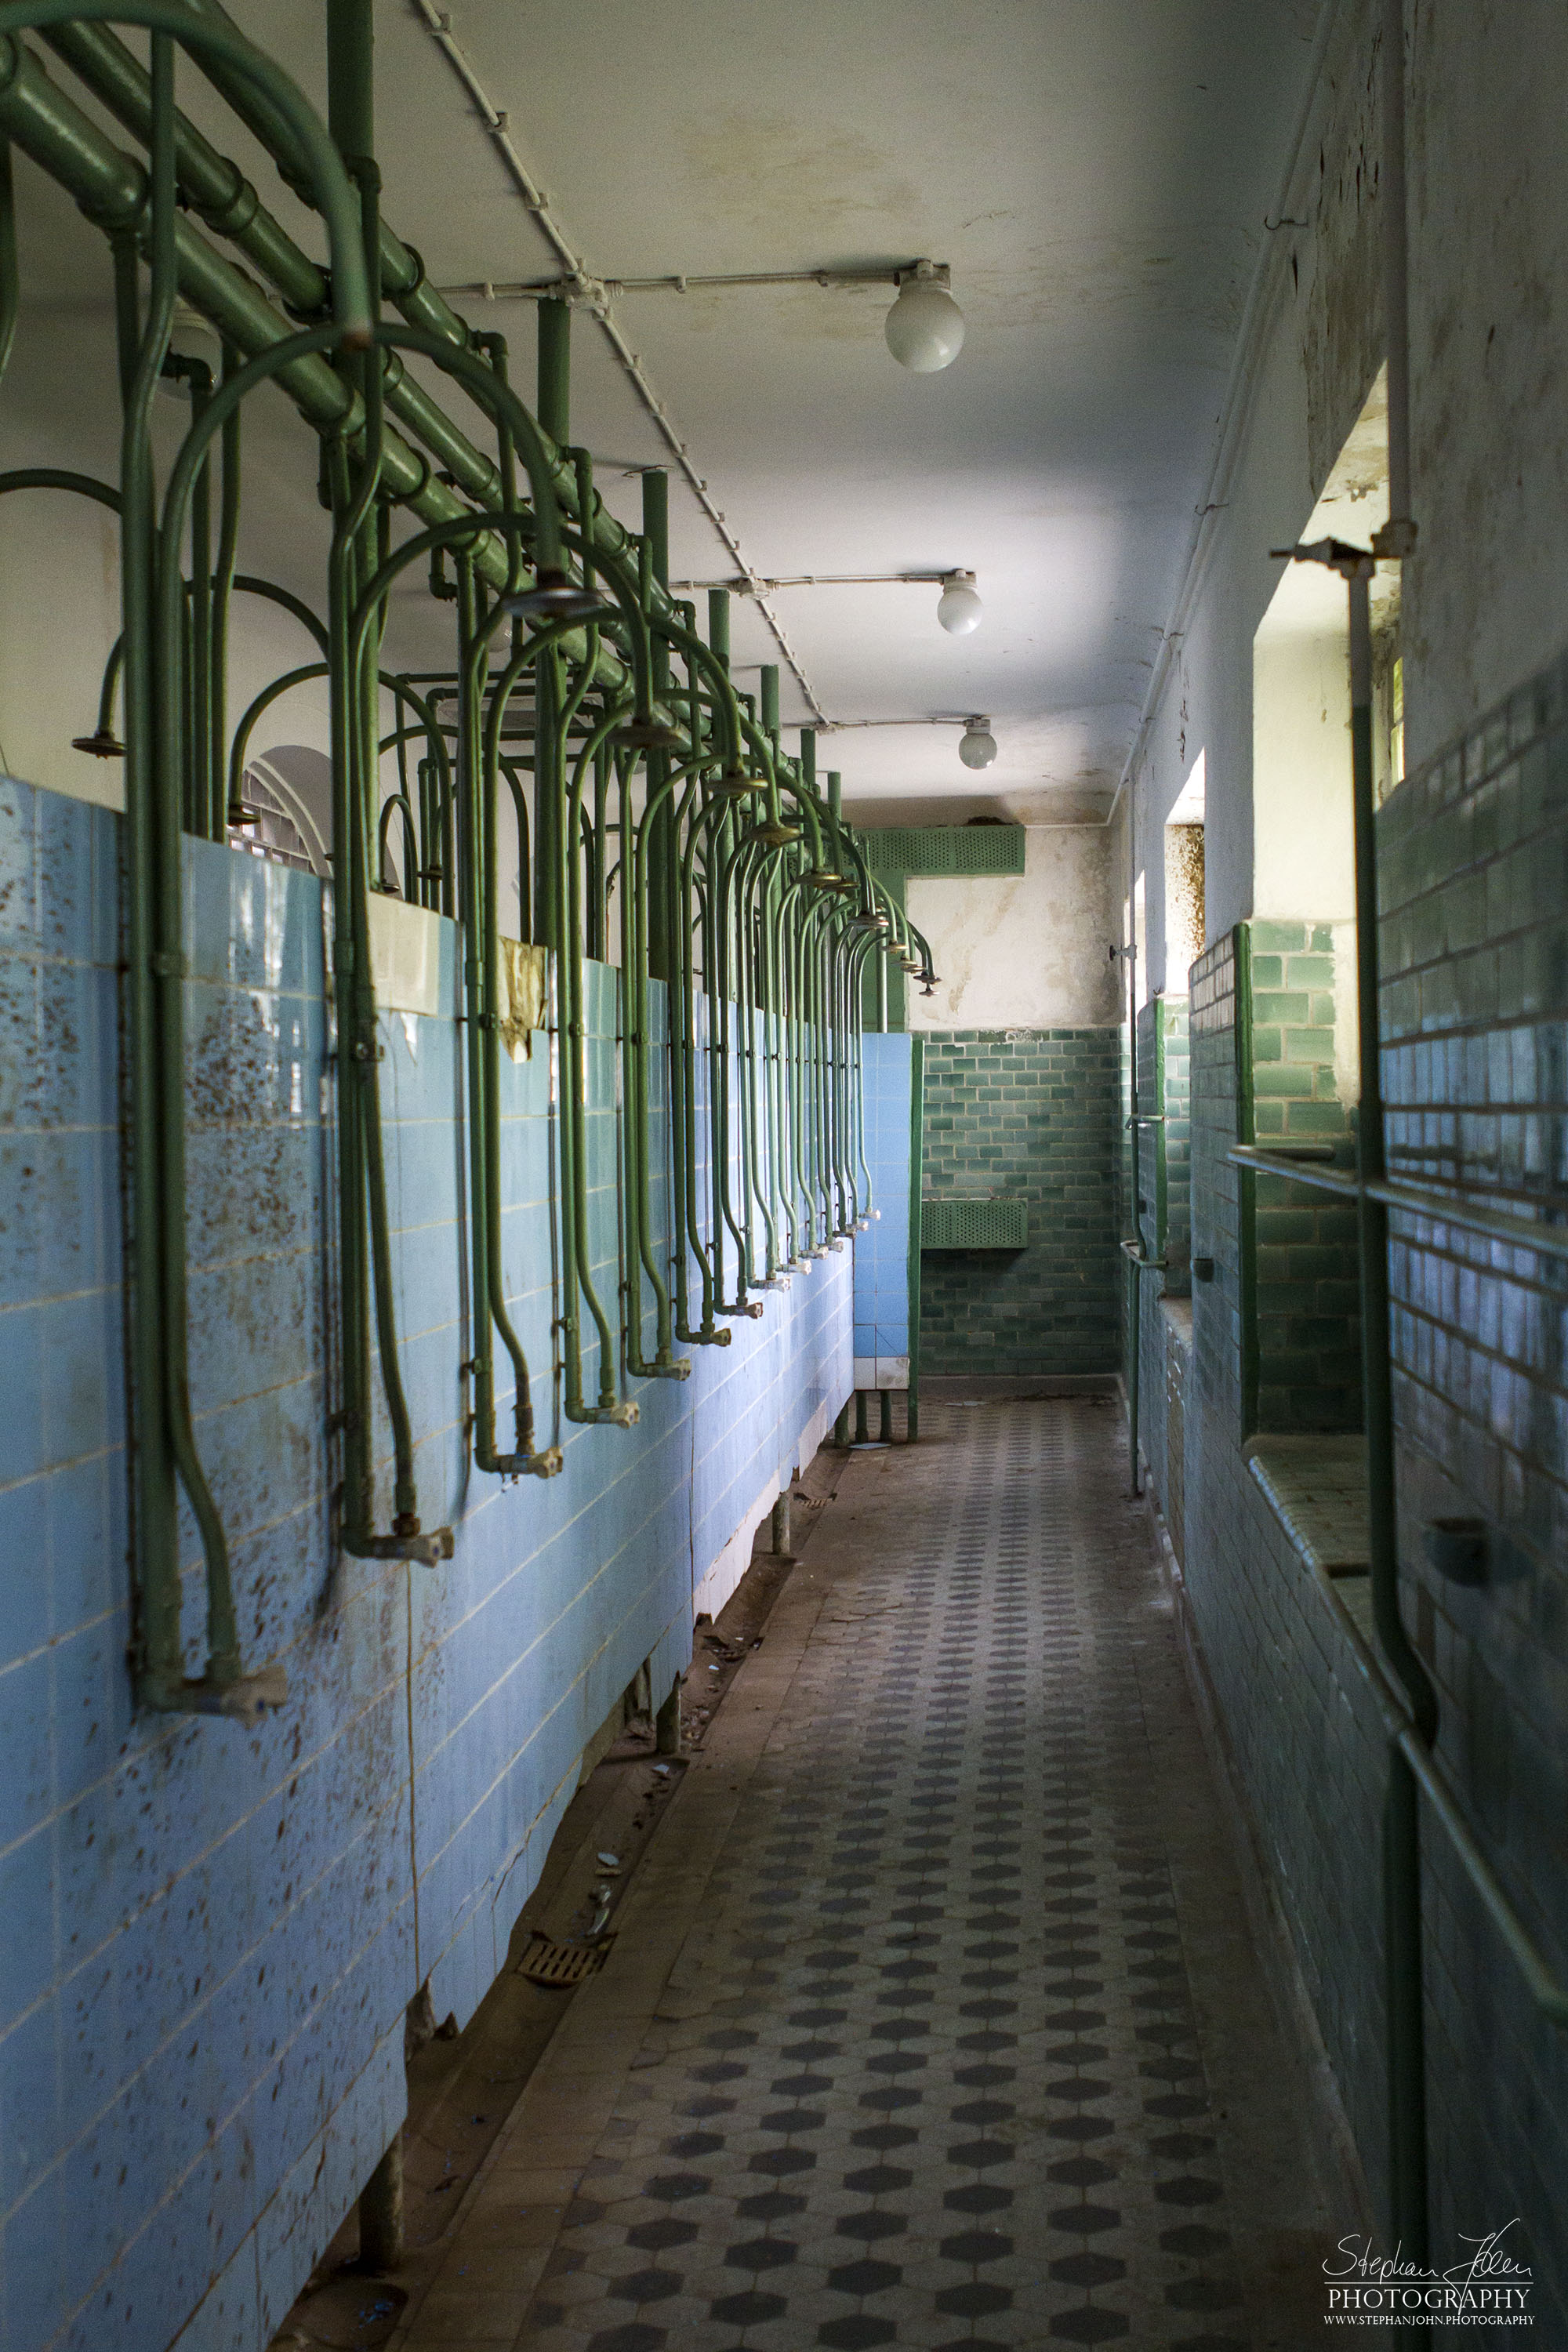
[222, 42]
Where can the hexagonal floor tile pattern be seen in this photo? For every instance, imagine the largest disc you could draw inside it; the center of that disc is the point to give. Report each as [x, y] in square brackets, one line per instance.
[925, 2066]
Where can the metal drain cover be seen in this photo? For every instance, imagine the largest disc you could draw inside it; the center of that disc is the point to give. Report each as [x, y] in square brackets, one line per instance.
[549, 1963]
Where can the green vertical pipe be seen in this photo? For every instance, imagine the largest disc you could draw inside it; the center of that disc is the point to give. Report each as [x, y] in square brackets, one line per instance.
[1246, 1181]
[661, 845]
[770, 701]
[202, 818]
[553, 408]
[223, 590]
[917, 1159]
[148, 912]
[897, 978]
[547, 820]
[351, 78]
[719, 624]
[1401, 1840]
[655, 521]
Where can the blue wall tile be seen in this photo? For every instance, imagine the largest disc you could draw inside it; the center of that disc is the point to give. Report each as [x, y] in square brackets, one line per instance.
[204, 2009]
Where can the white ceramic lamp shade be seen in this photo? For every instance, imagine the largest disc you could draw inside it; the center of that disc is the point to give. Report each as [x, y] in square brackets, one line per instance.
[925, 327]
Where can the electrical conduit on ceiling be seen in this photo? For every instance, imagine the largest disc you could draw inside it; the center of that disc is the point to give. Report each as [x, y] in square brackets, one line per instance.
[593, 296]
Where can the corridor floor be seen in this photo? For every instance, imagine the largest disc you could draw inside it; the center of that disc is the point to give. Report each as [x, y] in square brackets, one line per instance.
[933, 2018]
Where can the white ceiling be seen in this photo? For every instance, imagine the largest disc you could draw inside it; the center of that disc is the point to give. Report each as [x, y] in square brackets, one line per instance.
[1096, 173]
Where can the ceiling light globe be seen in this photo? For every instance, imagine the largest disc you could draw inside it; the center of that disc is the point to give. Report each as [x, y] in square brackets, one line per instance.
[977, 745]
[924, 327]
[959, 609]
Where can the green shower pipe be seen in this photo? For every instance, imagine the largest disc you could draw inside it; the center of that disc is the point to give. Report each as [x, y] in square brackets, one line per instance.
[553, 406]
[370, 598]
[570, 965]
[713, 827]
[639, 1201]
[683, 920]
[553, 713]
[240, 748]
[481, 956]
[660, 911]
[201, 815]
[765, 969]
[396, 804]
[741, 869]
[49, 125]
[223, 45]
[221, 602]
[165, 1454]
[112, 188]
[364, 1244]
[709, 1266]
[635, 901]
[729, 999]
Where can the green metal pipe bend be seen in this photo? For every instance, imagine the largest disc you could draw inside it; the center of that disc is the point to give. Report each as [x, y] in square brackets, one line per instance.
[224, 44]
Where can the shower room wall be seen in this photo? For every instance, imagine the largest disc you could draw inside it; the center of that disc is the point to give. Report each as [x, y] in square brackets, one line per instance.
[1468, 978]
[1021, 1092]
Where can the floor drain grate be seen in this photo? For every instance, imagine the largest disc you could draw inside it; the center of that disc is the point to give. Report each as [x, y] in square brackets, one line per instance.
[549, 1963]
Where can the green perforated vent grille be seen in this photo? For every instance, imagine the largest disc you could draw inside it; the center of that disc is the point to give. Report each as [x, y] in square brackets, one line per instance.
[933, 851]
[974, 1224]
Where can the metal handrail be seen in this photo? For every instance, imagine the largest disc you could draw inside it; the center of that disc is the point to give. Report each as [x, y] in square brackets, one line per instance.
[1418, 1199]
[1549, 1993]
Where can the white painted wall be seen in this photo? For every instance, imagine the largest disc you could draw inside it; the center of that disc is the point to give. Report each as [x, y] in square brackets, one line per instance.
[59, 617]
[1303, 839]
[1028, 952]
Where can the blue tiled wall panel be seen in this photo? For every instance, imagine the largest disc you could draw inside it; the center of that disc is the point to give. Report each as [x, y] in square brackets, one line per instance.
[882, 1252]
[210, 1933]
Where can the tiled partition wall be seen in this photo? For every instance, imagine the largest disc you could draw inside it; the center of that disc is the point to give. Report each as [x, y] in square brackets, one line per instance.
[1031, 1115]
[1163, 1349]
[1306, 1745]
[1472, 852]
[1473, 863]
[892, 1066]
[210, 1933]
[1303, 1300]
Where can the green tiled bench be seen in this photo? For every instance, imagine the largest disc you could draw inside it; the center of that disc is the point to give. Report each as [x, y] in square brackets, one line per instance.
[1316, 1489]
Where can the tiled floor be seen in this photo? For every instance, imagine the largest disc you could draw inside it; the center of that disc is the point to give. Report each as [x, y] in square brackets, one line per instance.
[934, 2022]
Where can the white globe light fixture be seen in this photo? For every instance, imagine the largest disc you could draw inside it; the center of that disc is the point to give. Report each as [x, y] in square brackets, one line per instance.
[959, 609]
[977, 745]
[925, 325]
